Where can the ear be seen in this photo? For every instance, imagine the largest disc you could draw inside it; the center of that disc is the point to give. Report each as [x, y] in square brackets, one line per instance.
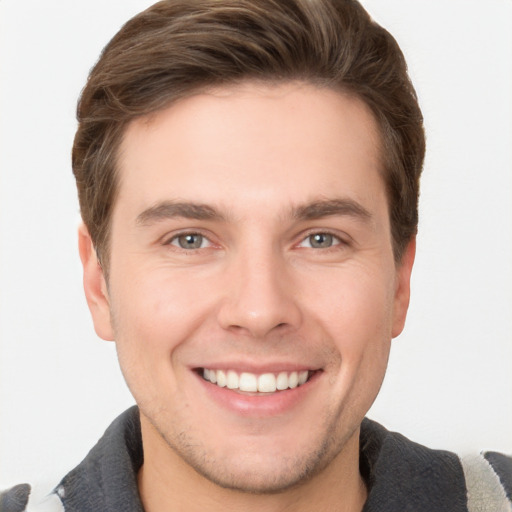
[403, 288]
[95, 286]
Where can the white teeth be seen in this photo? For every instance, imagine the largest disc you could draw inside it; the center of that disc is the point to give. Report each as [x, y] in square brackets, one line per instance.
[232, 380]
[221, 378]
[250, 382]
[267, 383]
[282, 381]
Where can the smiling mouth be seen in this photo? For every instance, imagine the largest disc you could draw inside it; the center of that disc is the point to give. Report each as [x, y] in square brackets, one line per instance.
[254, 383]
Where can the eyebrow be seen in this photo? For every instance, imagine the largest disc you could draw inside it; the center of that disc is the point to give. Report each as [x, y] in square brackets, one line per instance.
[171, 209]
[197, 211]
[331, 207]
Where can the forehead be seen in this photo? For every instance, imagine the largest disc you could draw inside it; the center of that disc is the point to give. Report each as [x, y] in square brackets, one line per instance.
[270, 141]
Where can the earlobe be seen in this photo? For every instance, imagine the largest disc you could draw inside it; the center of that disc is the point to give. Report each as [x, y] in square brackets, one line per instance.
[95, 286]
[403, 288]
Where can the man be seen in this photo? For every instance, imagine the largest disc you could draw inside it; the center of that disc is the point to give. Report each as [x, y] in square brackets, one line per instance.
[248, 177]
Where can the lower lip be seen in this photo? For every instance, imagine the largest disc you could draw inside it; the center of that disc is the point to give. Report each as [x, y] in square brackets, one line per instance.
[259, 405]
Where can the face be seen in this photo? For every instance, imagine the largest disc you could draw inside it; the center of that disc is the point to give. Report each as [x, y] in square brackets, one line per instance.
[253, 291]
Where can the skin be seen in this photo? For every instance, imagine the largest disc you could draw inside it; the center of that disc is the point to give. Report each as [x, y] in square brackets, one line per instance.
[265, 167]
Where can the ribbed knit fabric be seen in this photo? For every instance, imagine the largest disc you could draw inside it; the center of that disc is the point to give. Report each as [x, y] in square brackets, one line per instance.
[401, 476]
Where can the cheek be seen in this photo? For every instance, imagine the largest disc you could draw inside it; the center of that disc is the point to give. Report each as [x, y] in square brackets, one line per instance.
[356, 313]
[159, 304]
[356, 307]
[152, 318]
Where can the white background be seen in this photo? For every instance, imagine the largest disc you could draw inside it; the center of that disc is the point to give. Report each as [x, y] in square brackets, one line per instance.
[449, 382]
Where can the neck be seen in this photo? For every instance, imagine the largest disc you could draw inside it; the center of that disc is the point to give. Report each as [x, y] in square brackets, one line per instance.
[169, 484]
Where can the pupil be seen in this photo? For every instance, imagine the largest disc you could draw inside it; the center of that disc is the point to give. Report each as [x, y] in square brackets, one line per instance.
[190, 241]
[321, 240]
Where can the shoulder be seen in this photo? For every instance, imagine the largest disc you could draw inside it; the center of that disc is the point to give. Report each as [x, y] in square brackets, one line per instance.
[488, 481]
[21, 499]
[408, 476]
[105, 479]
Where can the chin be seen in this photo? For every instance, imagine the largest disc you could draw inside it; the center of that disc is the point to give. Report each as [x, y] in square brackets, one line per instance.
[262, 477]
[257, 470]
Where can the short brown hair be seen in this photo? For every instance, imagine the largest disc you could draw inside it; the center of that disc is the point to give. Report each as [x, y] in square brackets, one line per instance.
[178, 47]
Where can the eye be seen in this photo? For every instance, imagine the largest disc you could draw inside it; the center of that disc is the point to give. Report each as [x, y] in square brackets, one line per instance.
[320, 241]
[190, 241]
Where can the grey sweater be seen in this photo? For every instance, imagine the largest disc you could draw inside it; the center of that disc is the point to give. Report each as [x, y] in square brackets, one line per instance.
[401, 476]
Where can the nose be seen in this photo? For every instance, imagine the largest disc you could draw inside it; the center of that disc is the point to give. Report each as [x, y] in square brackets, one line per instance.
[259, 296]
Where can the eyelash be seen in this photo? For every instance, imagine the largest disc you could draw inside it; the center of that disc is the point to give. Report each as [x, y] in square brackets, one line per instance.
[337, 240]
[175, 238]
